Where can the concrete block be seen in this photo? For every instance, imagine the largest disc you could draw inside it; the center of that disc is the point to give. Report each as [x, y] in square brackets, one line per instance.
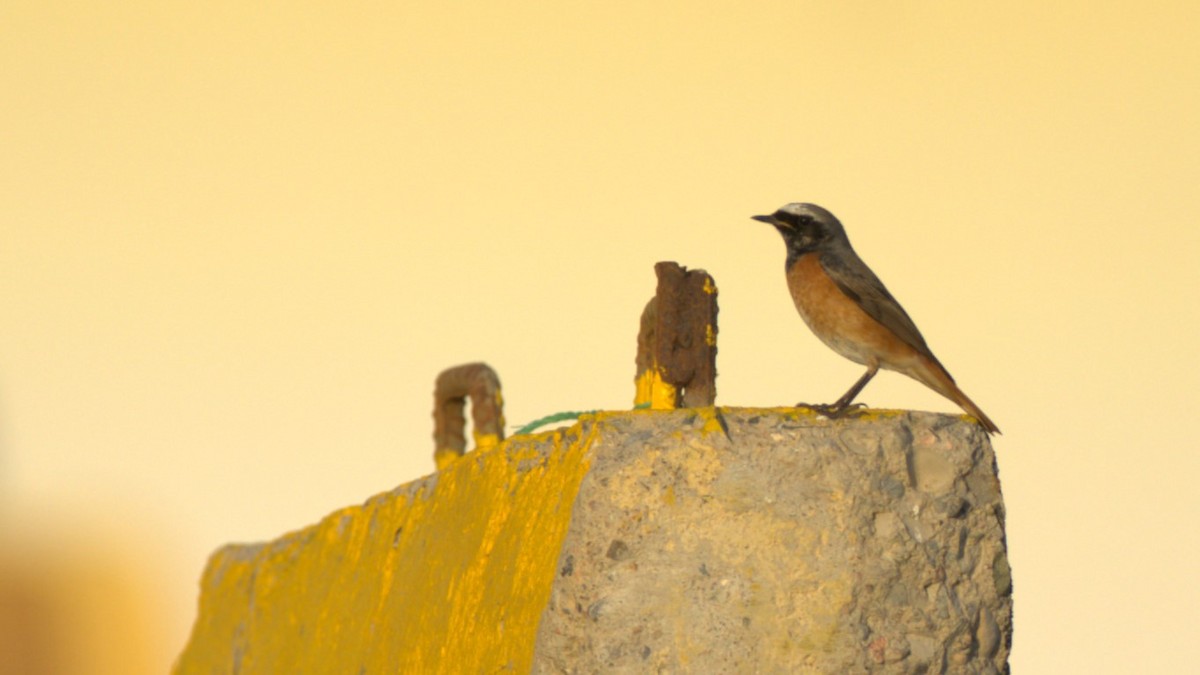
[696, 540]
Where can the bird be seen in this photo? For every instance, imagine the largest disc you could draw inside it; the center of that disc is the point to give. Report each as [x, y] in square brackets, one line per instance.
[852, 312]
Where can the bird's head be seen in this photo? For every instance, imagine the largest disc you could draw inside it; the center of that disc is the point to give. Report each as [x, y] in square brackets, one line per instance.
[805, 227]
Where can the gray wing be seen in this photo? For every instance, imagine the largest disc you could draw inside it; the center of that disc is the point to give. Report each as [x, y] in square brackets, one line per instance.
[857, 280]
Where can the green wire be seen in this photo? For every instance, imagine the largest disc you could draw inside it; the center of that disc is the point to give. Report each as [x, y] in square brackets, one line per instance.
[562, 417]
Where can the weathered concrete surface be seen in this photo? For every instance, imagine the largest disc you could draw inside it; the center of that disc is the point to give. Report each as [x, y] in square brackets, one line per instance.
[789, 544]
[739, 540]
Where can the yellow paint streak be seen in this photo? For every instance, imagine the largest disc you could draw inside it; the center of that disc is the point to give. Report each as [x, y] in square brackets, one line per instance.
[448, 574]
[653, 390]
[643, 385]
[485, 442]
[809, 414]
[712, 421]
[500, 409]
[878, 414]
[444, 457]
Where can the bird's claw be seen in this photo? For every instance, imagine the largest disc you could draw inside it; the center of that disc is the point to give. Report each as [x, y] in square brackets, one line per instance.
[831, 410]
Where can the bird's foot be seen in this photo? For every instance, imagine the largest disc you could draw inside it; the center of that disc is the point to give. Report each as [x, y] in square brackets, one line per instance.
[831, 410]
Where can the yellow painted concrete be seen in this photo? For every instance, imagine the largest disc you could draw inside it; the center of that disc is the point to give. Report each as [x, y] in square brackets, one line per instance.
[446, 575]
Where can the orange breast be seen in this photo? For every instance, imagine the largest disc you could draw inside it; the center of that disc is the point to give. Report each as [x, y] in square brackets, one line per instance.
[840, 322]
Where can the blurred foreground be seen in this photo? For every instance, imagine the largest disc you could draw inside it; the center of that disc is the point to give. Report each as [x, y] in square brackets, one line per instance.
[76, 602]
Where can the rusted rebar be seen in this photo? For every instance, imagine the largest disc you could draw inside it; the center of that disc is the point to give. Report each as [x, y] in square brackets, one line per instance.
[453, 386]
[677, 341]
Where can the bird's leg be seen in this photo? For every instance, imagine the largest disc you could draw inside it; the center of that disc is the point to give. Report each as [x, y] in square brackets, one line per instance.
[841, 405]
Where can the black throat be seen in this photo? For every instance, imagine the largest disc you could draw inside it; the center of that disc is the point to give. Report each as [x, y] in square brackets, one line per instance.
[797, 249]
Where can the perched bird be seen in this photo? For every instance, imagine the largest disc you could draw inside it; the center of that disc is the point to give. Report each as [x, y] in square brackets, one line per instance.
[849, 308]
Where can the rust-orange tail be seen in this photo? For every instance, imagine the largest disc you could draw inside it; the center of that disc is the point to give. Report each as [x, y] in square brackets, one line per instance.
[967, 404]
[933, 375]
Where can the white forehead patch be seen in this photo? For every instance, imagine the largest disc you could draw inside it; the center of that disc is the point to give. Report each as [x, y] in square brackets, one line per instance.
[805, 209]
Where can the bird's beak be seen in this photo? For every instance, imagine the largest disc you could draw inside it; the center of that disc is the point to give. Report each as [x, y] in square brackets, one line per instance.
[770, 220]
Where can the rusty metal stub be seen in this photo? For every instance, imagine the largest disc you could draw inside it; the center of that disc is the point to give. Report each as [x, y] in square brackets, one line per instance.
[452, 388]
[677, 341]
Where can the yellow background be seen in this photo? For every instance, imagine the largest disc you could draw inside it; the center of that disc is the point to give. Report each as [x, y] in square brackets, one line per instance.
[239, 240]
